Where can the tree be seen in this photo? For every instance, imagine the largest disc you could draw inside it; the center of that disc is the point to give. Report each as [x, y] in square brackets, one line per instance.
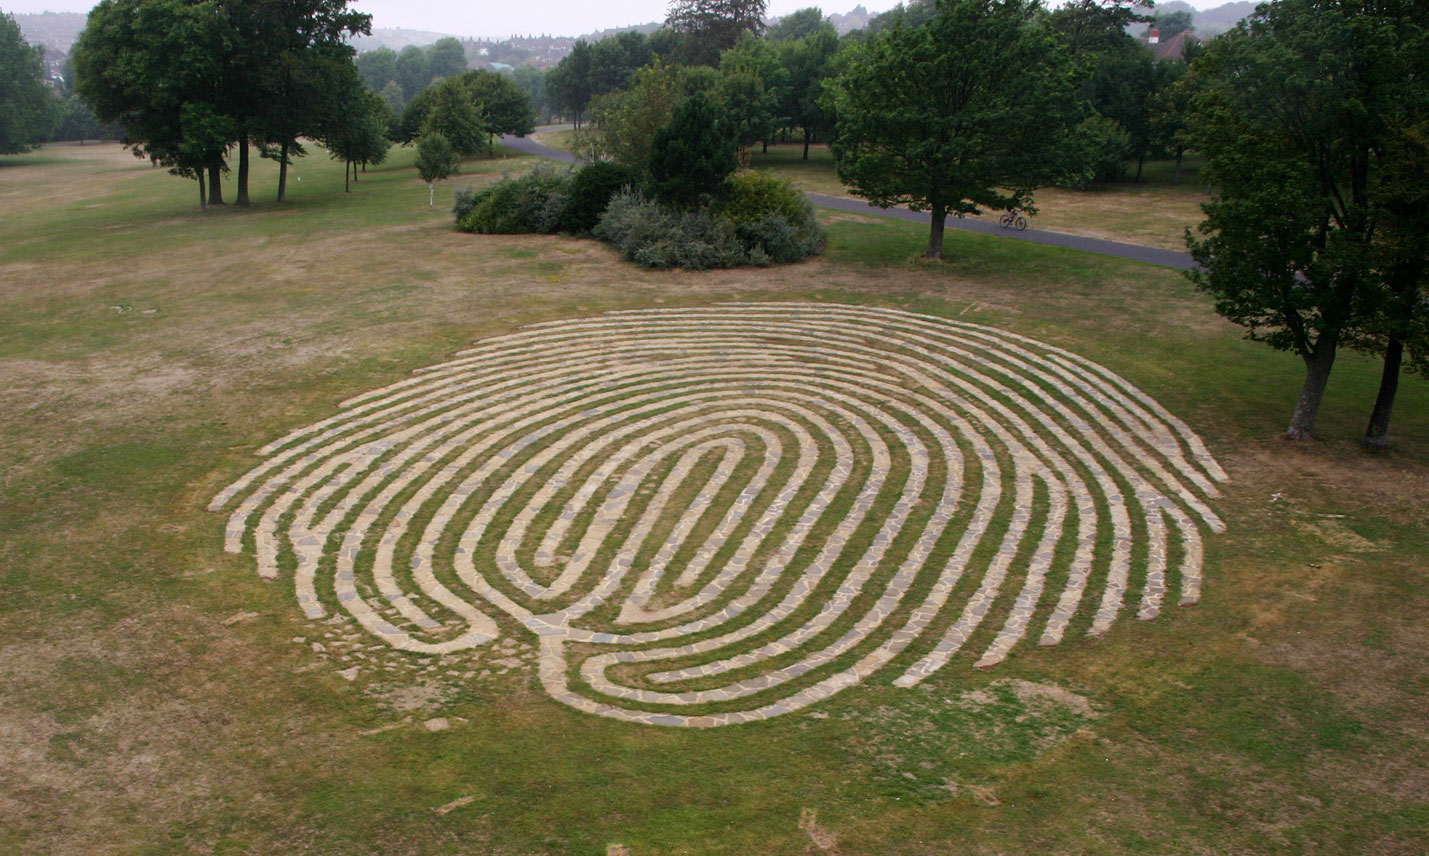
[358, 134]
[392, 96]
[808, 63]
[1092, 27]
[799, 25]
[751, 90]
[1400, 320]
[691, 157]
[413, 70]
[969, 111]
[377, 67]
[624, 123]
[1295, 110]
[713, 26]
[501, 105]
[436, 160]
[449, 114]
[1123, 87]
[532, 81]
[447, 58]
[156, 68]
[569, 85]
[29, 110]
[613, 61]
[77, 122]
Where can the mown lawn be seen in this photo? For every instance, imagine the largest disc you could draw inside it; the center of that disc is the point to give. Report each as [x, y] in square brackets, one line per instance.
[148, 349]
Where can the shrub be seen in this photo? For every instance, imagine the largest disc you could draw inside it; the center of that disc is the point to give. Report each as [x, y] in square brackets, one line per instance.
[657, 237]
[772, 219]
[753, 195]
[590, 193]
[529, 203]
[463, 201]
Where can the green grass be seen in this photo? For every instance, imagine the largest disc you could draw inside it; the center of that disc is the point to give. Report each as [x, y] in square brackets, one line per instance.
[1283, 715]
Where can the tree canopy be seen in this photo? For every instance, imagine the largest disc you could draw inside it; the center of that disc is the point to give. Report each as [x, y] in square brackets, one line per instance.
[188, 78]
[1299, 111]
[28, 109]
[712, 26]
[969, 111]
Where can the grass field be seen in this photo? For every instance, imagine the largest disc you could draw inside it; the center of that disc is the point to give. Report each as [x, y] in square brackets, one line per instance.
[157, 699]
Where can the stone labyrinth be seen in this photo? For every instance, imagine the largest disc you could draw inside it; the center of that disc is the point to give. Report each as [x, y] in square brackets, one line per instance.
[720, 515]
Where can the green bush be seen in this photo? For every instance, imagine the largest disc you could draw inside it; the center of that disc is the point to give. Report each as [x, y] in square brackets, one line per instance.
[658, 237]
[753, 195]
[463, 201]
[772, 219]
[531, 203]
[590, 192]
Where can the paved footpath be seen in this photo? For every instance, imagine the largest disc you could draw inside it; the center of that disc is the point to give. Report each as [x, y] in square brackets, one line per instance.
[1134, 252]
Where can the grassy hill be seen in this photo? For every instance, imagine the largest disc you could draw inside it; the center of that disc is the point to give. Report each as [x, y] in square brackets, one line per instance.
[162, 698]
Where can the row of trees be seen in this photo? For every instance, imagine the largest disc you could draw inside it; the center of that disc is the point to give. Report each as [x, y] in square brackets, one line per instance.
[191, 81]
[398, 77]
[784, 77]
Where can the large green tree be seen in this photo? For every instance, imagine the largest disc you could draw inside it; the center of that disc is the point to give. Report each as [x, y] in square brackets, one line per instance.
[691, 157]
[624, 123]
[377, 67]
[970, 111]
[710, 27]
[156, 68]
[800, 24]
[751, 90]
[570, 85]
[447, 58]
[1296, 110]
[29, 110]
[808, 65]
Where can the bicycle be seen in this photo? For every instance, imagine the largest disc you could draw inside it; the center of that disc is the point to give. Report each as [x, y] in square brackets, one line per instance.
[1012, 219]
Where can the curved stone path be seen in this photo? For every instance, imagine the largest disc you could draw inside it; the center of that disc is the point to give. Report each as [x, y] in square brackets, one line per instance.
[1134, 252]
[718, 515]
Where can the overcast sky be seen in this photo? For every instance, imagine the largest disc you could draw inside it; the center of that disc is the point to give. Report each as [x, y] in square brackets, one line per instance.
[527, 17]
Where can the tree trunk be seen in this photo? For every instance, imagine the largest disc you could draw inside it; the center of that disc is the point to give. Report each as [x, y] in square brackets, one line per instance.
[283, 172]
[766, 148]
[346, 176]
[1317, 374]
[806, 144]
[1377, 434]
[215, 186]
[1176, 174]
[1140, 162]
[202, 197]
[431, 194]
[935, 232]
[242, 170]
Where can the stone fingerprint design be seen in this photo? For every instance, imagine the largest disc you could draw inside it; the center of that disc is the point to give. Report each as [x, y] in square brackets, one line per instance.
[719, 515]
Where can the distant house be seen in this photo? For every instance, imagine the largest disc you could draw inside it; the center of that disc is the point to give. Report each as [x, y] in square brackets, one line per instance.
[1173, 48]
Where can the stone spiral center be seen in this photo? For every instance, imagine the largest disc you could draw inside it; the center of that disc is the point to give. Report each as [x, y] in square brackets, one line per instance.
[719, 515]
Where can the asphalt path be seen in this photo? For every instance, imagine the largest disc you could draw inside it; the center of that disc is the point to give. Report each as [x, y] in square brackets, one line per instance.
[1134, 252]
